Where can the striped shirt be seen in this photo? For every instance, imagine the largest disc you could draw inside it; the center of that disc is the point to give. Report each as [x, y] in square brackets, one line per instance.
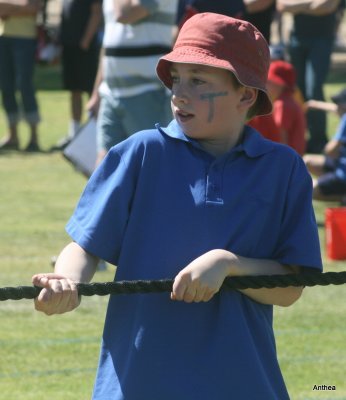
[132, 51]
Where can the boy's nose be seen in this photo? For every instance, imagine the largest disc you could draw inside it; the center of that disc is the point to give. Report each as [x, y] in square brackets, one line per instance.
[178, 95]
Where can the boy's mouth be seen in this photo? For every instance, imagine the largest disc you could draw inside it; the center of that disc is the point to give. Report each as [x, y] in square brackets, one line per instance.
[183, 116]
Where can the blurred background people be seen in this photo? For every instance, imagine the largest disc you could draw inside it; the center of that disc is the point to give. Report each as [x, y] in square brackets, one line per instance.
[288, 114]
[127, 91]
[17, 62]
[261, 14]
[287, 123]
[311, 44]
[188, 8]
[330, 167]
[79, 37]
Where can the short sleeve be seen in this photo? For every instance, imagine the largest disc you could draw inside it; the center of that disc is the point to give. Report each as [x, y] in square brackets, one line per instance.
[340, 133]
[99, 220]
[298, 242]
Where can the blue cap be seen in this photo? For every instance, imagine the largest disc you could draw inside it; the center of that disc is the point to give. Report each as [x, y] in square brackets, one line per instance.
[340, 98]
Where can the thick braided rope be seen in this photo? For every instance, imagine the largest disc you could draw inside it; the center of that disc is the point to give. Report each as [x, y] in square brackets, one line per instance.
[159, 286]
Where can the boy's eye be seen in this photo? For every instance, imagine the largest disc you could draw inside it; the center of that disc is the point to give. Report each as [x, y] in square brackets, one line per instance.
[193, 81]
[197, 81]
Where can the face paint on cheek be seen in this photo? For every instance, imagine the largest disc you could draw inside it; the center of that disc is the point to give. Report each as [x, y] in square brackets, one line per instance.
[210, 97]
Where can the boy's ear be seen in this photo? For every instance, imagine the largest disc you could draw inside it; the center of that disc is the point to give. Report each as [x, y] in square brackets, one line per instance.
[248, 102]
[249, 96]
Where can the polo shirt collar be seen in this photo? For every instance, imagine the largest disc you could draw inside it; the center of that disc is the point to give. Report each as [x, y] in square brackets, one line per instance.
[252, 144]
[174, 131]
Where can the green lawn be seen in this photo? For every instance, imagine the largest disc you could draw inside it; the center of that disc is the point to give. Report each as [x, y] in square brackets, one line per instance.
[55, 357]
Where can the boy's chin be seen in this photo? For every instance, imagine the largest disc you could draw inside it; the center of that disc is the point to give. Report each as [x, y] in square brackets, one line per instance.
[190, 134]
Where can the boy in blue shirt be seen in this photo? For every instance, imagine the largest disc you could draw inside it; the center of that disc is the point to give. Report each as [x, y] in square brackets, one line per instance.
[330, 167]
[204, 198]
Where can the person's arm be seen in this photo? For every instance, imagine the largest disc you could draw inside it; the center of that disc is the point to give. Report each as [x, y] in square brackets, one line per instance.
[293, 6]
[93, 103]
[92, 26]
[203, 277]
[311, 7]
[323, 7]
[320, 105]
[59, 293]
[254, 6]
[283, 136]
[20, 7]
[332, 148]
[129, 11]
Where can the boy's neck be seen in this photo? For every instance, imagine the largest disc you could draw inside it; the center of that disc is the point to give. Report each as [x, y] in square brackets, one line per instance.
[221, 146]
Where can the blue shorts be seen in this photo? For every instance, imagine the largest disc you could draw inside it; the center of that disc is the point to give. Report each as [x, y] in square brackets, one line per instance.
[330, 184]
[79, 68]
[118, 118]
[330, 164]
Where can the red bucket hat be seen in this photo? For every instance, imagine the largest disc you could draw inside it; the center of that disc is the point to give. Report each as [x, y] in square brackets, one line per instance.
[223, 42]
[282, 73]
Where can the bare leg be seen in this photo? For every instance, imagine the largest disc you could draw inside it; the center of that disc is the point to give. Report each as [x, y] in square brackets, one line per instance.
[315, 163]
[76, 105]
[318, 195]
[76, 101]
[33, 142]
[11, 140]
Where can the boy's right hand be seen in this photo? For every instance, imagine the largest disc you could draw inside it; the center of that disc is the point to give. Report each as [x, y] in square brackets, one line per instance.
[202, 278]
[59, 294]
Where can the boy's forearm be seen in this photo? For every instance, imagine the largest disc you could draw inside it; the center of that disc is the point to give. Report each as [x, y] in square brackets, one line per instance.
[202, 278]
[276, 296]
[283, 297]
[76, 264]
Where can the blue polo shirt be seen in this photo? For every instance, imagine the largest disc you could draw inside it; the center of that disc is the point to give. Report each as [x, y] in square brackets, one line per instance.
[157, 202]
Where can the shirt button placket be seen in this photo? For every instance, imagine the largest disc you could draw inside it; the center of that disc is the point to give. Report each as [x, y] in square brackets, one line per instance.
[214, 184]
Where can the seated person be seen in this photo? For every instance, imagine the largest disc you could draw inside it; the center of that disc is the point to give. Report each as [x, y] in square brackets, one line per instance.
[330, 167]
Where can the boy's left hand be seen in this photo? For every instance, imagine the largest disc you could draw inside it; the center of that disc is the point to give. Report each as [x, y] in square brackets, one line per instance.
[203, 277]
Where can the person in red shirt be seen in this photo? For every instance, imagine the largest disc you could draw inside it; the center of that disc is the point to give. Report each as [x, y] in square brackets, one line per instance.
[288, 114]
[266, 126]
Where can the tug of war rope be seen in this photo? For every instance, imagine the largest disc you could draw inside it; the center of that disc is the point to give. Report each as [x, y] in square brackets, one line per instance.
[160, 286]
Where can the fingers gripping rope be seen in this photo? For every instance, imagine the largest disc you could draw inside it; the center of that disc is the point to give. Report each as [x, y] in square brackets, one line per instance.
[159, 286]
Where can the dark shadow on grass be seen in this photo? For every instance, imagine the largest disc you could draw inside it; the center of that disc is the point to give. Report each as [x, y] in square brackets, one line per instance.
[48, 77]
[337, 76]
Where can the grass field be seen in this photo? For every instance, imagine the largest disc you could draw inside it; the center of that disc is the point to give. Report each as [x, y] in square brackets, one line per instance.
[55, 357]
